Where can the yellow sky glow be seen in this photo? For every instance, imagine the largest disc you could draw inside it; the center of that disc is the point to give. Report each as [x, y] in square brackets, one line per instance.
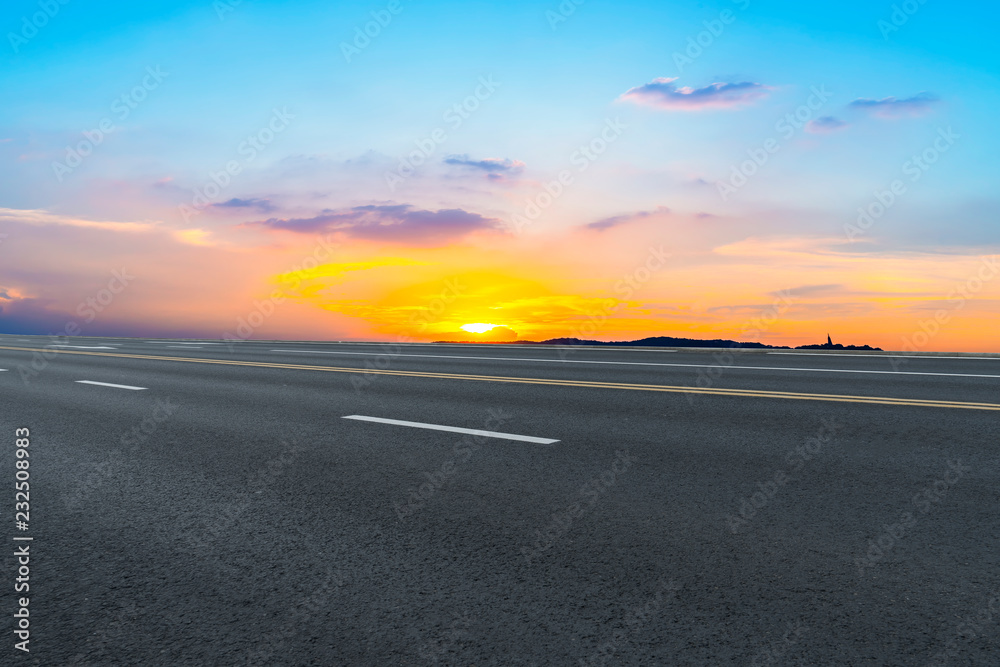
[479, 327]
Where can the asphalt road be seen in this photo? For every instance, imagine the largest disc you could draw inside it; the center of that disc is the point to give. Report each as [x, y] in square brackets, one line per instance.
[660, 507]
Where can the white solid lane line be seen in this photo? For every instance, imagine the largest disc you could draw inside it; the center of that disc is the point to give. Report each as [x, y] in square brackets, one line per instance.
[455, 429]
[108, 384]
[186, 347]
[891, 356]
[465, 346]
[179, 342]
[462, 356]
[85, 347]
[640, 363]
[2, 370]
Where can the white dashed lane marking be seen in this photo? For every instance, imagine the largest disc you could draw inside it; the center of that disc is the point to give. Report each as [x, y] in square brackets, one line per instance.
[455, 429]
[108, 384]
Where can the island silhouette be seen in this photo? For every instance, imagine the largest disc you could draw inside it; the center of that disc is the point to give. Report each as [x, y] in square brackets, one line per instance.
[670, 341]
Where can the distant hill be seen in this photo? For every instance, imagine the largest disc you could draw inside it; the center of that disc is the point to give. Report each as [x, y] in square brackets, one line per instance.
[655, 341]
[669, 341]
[830, 345]
[838, 346]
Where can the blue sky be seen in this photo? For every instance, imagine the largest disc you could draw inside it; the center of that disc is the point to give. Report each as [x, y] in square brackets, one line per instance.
[557, 83]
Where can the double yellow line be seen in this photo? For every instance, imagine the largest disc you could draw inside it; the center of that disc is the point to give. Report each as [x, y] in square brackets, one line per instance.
[747, 393]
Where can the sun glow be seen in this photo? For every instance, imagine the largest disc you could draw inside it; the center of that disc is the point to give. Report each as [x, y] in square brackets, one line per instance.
[478, 327]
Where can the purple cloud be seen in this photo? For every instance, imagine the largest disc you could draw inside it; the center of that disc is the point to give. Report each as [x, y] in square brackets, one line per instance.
[663, 94]
[825, 125]
[890, 107]
[262, 205]
[390, 222]
[491, 165]
[608, 223]
[34, 316]
[31, 316]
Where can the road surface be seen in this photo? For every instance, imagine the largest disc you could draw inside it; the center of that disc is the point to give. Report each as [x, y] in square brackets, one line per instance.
[203, 502]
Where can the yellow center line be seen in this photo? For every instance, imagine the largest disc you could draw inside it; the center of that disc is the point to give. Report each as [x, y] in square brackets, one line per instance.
[746, 393]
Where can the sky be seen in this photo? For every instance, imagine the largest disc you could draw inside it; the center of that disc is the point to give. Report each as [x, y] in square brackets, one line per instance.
[396, 171]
